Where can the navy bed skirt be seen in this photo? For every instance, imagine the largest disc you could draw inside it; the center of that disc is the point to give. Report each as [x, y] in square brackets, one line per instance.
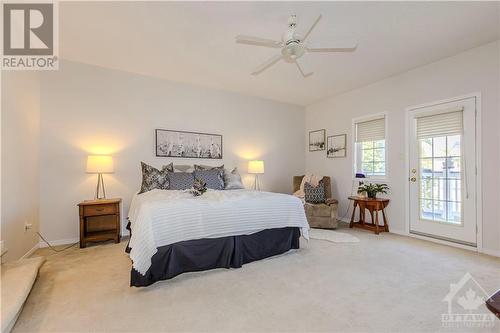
[209, 253]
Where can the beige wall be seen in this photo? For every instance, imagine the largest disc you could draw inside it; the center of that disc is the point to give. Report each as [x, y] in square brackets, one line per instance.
[88, 109]
[473, 71]
[20, 136]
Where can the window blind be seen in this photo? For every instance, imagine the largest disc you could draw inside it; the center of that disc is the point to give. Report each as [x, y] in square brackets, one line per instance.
[371, 130]
[442, 124]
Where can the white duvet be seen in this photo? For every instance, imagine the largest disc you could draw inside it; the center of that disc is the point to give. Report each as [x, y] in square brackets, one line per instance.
[160, 218]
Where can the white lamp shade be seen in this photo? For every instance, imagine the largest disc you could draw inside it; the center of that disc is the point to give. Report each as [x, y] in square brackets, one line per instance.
[256, 167]
[100, 164]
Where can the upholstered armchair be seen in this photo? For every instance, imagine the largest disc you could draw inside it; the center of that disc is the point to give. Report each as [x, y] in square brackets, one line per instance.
[323, 215]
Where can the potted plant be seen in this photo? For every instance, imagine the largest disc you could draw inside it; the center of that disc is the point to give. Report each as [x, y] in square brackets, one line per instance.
[372, 189]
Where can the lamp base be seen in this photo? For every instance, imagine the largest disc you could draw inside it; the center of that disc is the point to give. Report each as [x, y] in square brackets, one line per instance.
[256, 184]
[100, 183]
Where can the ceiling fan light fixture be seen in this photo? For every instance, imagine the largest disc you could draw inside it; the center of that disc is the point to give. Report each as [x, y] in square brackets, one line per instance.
[293, 51]
[293, 46]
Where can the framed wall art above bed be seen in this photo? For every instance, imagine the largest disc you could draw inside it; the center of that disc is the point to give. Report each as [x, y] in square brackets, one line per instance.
[188, 144]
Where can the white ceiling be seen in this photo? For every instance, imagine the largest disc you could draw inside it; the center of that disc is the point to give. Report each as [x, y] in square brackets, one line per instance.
[194, 42]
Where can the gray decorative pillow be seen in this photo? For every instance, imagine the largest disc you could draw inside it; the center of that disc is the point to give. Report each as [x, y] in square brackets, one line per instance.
[232, 180]
[153, 178]
[213, 178]
[180, 180]
[314, 194]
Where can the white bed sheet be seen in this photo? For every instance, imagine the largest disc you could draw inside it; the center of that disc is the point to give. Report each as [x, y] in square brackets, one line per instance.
[160, 218]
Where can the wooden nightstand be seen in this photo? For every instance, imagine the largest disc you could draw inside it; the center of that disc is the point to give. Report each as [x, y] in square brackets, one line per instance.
[99, 220]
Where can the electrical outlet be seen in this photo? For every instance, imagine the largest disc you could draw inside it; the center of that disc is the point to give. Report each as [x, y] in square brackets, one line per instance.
[27, 226]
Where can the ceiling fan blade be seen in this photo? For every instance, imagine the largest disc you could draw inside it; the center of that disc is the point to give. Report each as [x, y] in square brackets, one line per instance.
[302, 71]
[265, 65]
[252, 40]
[311, 28]
[340, 46]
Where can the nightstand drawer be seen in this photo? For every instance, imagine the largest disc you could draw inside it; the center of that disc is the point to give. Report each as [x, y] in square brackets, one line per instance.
[99, 210]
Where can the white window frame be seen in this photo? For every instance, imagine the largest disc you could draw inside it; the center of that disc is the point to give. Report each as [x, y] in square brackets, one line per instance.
[356, 151]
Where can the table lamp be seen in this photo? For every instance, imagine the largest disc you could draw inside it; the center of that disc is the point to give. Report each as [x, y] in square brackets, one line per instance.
[100, 164]
[256, 168]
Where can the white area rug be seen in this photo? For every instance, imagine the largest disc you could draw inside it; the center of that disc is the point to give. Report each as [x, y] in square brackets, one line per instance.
[332, 236]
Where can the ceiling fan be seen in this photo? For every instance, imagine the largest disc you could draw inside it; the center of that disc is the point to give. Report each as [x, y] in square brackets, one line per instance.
[293, 46]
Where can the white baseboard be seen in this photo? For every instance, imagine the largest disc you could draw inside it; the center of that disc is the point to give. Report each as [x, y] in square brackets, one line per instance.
[59, 242]
[30, 252]
[495, 253]
[397, 231]
[345, 220]
[68, 241]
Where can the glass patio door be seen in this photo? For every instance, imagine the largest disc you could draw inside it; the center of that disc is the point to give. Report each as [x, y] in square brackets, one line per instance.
[442, 171]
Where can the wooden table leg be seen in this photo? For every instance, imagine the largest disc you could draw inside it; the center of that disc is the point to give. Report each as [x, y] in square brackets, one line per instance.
[376, 221]
[352, 216]
[362, 214]
[386, 225]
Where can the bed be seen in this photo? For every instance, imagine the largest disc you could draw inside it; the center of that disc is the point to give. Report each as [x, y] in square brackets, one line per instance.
[173, 232]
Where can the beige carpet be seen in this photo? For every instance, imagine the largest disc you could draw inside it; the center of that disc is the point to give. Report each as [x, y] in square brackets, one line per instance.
[332, 236]
[383, 283]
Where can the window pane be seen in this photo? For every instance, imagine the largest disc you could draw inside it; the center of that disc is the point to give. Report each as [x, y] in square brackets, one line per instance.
[441, 183]
[366, 155]
[379, 144]
[439, 210]
[426, 209]
[426, 188]
[439, 145]
[454, 211]
[439, 189]
[379, 168]
[367, 168]
[367, 145]
[454, 167]
[425, 167]
[438, 167]
[371, 158]
[426, 147]
[454, 188]
[454, 145]
[379, 154]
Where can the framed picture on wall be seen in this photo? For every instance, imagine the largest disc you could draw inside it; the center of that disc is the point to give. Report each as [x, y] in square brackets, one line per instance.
[317, 140]
[336, 146]
[188, 144]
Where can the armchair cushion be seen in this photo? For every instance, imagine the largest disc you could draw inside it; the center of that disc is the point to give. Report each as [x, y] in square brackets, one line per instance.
[318, 210]
[331, 201]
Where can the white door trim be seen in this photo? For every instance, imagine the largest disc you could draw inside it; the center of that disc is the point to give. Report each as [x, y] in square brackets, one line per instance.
[479, 199]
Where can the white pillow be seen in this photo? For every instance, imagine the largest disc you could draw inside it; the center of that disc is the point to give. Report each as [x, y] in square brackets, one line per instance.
[183, 168]
[232, 180]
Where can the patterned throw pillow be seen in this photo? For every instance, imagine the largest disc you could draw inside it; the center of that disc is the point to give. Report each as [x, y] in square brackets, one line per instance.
[180, 180]
[153, 178]
[213, 178]
[314, 194]
[232, 180]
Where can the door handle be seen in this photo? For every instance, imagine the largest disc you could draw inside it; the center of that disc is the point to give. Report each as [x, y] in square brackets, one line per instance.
[413, 179]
